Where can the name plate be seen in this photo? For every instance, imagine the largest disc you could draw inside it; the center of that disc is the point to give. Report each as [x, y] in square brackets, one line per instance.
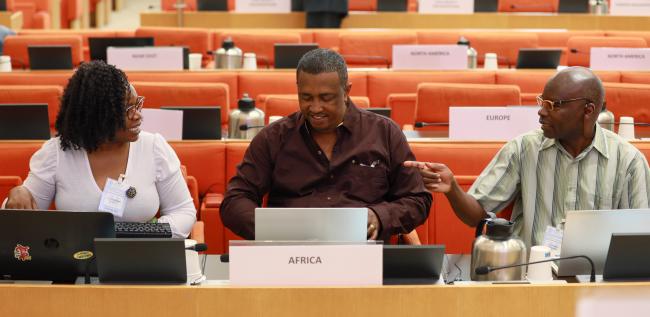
[629, 7]
[612, 58]
[145, 58]
[168, 123]
[262, 6]
[491, 123]
[429, 57]
[264, 265]
[446, 6]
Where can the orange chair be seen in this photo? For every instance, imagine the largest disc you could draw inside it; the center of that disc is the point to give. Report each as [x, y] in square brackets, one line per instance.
[434, 99]
[168, 5]
[362, 5]
[36, 13]
[197, 40]
[505, 44]
[629, 100]
[84, 33]
[580, 46]
[635, 77]
[259, 42]
[16, 47]
[34, 94]
[439, 37]
[284, 105]
[372, 49]
[531, 83]
[160, 94]
[6, 184]
[528, 5]
[71, 13]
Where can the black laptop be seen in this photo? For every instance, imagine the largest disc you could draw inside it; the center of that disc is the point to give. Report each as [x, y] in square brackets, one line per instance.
[98, 45]
[200, 122]
[50, 245]
[24, 122]
[3, 5]
[141, 260]
[50, 57]
[573, 6]
[486, 5]
[212, 5]
[287, 55]
[538, 58]
[392, 5]
[412, 264]
[380, 111]
[628, 257]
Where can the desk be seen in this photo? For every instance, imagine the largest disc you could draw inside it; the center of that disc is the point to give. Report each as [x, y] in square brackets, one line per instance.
[435, 300]
[12, 20]
[408, 20]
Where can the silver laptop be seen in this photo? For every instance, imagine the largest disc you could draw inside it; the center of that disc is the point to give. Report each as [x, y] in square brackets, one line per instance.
[315, 224]
[588, 233]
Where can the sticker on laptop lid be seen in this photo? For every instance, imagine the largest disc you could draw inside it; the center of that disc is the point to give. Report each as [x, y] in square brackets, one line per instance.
[83, 255]
[21, 252]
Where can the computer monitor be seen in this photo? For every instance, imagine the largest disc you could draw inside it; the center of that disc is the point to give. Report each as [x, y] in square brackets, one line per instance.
[200, 122]
[212, 5]
[412, 264]
[589, 232]
[392, 5]
[627, 257]
[49, 57]
[149, 260]
[538, 58]
[287, 55]
[573, 6]
[98, 45]
[304, 224]
[24, 122]
[380, 111]
[486, 5]
[3, 5]
[50, 245]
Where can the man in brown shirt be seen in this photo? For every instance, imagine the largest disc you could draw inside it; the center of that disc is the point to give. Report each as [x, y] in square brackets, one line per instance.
[329, 154]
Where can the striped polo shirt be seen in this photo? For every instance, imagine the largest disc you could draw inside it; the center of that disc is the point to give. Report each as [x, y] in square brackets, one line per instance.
[545, 181]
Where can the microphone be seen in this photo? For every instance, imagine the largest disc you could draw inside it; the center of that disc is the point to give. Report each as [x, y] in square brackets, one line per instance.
[482, 270]
[420, 124]
[640, 124]
[199, 247]
[245, 127]
[532, 7]
[577, 51]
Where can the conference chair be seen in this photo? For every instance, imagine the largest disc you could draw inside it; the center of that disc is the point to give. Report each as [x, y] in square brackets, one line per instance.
[434, 99]
[372, 49]
[16, 47]
[34, 94]
[505, 44]
[36, 13]
[528, 6]
[580, 46]
[531, 83]
[71, 14]
[629, 100]
[362, 5]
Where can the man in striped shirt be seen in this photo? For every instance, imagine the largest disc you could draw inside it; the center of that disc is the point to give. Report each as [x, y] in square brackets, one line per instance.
[570, 164]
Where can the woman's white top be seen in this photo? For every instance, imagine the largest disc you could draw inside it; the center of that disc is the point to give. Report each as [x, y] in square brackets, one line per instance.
[153, 169]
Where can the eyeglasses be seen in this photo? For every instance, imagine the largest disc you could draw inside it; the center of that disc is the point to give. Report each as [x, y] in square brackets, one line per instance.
[135, 108]
[553, 104]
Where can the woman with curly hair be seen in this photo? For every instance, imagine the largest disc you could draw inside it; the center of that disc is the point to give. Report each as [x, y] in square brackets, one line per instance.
[101, 160]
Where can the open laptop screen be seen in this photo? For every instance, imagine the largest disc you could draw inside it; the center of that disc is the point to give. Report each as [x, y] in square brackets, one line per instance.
[538, 58]
[24, 122]
[316, 224]
[50, 57]
[200, 122]
[98, 45]
[288, 55]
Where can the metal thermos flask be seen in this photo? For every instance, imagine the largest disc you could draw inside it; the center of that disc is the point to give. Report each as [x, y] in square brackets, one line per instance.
[471, 53]
[245, 121]
[498, 246]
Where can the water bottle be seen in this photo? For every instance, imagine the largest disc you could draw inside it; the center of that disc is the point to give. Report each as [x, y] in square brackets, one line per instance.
[598, 7]
[245, 121]
[228, 56]
[471, 53]
[606, 118]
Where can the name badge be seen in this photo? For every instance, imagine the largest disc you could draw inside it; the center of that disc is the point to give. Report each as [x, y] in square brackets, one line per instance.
[113, 198]
[553, 240]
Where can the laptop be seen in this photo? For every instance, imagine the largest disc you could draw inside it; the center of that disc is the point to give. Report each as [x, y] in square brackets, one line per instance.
[3, 5]
[391, 5]
[589, 232]
[573, 6]
[212, 5]
[628, 257]
[98, 45]
[486, 5]
[288, 55]
[380, 111]
[311, 224]
[133, 260]
[412, 264]
[24, 122]
[46, 57]
[50, 245]
[538, 58]
[199, 122]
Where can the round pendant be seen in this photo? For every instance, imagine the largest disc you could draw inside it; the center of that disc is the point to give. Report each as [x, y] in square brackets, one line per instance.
[131, 192]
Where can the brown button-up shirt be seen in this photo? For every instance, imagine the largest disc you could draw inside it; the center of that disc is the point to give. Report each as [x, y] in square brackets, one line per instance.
[365, 170]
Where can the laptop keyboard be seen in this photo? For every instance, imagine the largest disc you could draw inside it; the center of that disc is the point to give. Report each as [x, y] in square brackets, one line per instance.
[142, 230]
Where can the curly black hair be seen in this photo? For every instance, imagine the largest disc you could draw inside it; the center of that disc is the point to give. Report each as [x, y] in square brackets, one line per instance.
[92, 106]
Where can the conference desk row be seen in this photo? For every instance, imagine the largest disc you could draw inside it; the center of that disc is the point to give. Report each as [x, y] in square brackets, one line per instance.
[598, 299]
[411, 20]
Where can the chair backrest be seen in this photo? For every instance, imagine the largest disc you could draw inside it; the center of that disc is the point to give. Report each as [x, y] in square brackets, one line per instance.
[197, 40]
[505, 44]
[16, 47]
[580, 46]
[160, 94]
[528, 5]
[629, 100]
[362, 5]
[261, 43]
[372, 48]
[49, 94]
[434, 99]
